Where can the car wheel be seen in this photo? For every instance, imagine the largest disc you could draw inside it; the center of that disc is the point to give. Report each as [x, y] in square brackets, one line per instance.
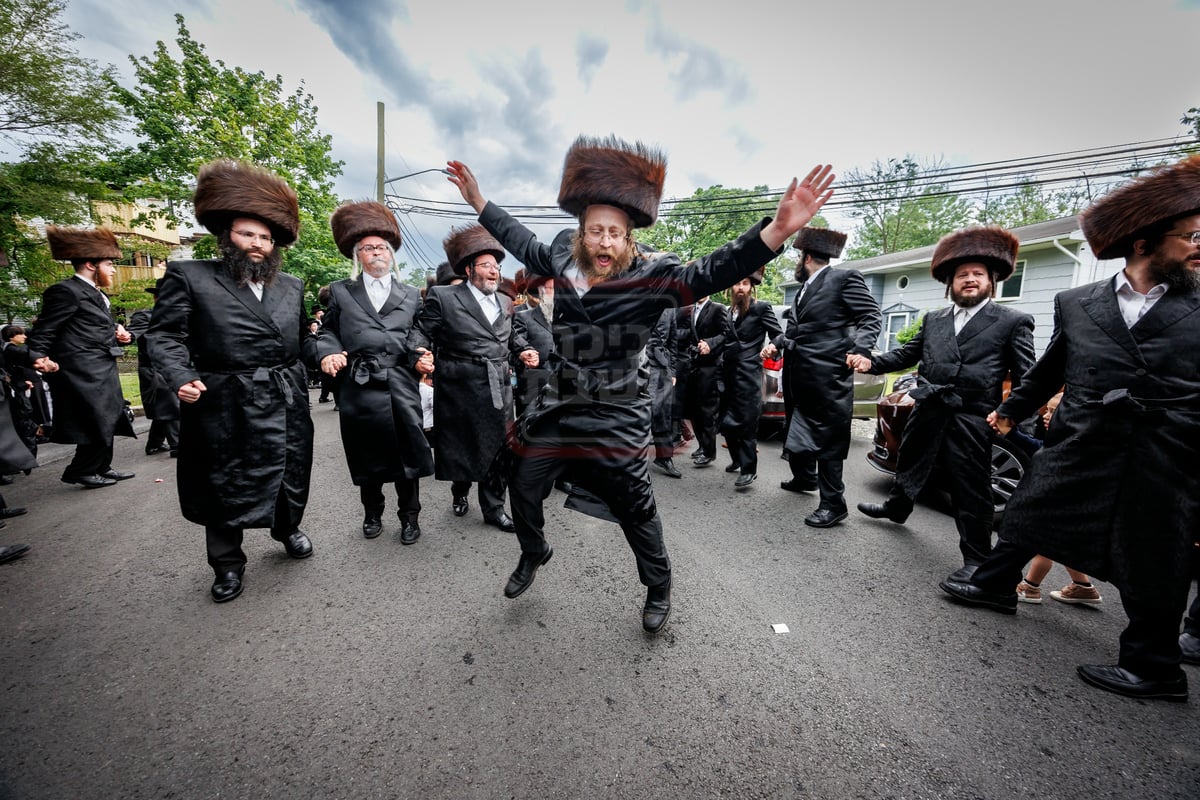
[1009, 464]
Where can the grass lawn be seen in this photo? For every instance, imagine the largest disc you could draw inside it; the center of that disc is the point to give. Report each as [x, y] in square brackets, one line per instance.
[129, 388]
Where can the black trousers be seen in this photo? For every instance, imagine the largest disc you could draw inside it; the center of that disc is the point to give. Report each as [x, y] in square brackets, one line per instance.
[701, 402]
[225, 544]
[1191, 623]
[1150, 642]
[744, 453]
[163, 431]
[90, 459]
[491, 502]
[408, 498]
[826, 473]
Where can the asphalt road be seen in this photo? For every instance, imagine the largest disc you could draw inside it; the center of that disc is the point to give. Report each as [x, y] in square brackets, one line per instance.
[374, 670]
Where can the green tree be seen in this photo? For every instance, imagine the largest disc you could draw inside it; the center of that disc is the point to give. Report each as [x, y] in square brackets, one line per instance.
[898, 208]
[1030, 203]
[193, 110]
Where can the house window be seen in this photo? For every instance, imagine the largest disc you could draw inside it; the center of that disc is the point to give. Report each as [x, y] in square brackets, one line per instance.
[896, 323]
[902, 282]
[1011, 289]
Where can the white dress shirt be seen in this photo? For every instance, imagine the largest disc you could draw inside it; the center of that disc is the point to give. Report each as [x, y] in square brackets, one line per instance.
[964, 315]
[378, 289]
[1133, 303]
[489, 303]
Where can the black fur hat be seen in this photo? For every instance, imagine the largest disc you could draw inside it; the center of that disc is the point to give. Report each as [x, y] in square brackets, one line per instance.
[1113, 223]
[822, 241]
[990, 245]
[612, 172]
[226, 190]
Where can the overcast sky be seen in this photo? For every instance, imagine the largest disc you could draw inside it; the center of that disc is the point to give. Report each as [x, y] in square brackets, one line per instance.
[737, 94]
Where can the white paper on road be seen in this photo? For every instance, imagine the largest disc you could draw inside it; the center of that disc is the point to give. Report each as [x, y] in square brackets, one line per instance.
[779, 627]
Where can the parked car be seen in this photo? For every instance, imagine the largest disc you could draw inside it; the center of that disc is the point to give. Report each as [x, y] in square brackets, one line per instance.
[868, 392]
[1010, 454]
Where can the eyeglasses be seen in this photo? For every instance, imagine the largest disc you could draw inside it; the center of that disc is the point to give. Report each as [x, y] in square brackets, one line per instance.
[372, 248]
[256, 237]
[599, 234]
[1193, 237]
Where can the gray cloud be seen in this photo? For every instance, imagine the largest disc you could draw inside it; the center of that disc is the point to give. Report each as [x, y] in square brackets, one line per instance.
[704, 69]
[590, 52]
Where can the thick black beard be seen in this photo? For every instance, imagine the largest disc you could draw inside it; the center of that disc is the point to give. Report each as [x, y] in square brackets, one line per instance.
[587, 264]
[743, 305]
[1177, 275]
[244, 270]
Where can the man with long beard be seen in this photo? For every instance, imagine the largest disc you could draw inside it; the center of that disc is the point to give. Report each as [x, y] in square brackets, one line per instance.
[229, 336]
[1114, 491]
[702, 329]
[77, 344]
[595, 414]
[750, 320]
[368, 319]
[966, 351]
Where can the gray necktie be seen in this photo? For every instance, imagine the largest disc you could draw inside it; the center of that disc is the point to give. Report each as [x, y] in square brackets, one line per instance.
[960, 319]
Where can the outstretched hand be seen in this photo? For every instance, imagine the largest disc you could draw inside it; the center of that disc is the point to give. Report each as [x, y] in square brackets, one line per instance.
[462, 177]
[799, 204]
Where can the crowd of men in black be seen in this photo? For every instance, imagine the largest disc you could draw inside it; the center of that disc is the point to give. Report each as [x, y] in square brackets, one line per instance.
[615, 348]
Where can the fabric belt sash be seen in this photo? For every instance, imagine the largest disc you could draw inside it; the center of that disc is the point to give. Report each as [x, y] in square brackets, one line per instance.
[497, 373]
[366, 367]
[259, 382]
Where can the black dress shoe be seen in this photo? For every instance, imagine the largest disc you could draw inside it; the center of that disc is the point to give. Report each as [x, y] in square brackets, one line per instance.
[657, 610]
[523, 575]
[460, 506]
[963, 574]
[7, 481]
[795, 485]
[116, 475]
[972, 595]
[155, 449]
[565, 487]
[90, 481]
[297, 545]
[502, 521]
[11, 552]
[12, 511]
[1189, 646]
[228, 585]
[372, 525]
[409, 532]
[667, 465]
[732, 468]
[825, 518]
[702, 461]
[882, 511]
[1122, 681]
[745, 479]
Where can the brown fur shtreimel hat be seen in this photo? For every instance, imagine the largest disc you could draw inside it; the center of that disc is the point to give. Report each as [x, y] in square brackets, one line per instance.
[226, 190]
[612, 172]
[353, 221]
[78, 244]
[463, 244]
[1113, 223]
[990, 245]
[822, 241]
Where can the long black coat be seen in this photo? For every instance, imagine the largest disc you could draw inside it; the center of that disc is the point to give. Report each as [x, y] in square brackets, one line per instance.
[836, 315]
[76, 330]
[698, 377]
[472, 387]
[742, 401]
[250, 434]
[961, 380]
[530, 324]
[380, 402]
[1115, 491]
[159, 401]
[662, 358]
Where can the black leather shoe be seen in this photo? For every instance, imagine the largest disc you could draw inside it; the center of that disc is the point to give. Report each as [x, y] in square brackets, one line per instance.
[882, 511]
[116, 475]
[745, 480]
[972, 595]
[297, 545]
[1189, 645]
[460, 506]
[90, 481]
[825, 518]
[795, 485]
[523, 575]
[409, 533]
[732, 468]
[502, 521]
[566, 487]
[657, 610]
[1122, 681]
[11, 552]
[155, 449]
[667, 465]
[372, 525]
[963, 574]
[228, 585]
[702, 461]
[12, 511]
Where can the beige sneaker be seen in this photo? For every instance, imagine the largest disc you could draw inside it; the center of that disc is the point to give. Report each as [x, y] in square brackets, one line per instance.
[1078, 595]
[1027, 593]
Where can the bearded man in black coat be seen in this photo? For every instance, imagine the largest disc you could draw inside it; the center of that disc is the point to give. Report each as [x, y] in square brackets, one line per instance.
[160, 404]
[229, 336]
[833, 316]
[700, 344]
[365, 332]
[77, 344]
[1114, 491]
[531, 322]
[595, 414]
[750, 321]
[966, 350]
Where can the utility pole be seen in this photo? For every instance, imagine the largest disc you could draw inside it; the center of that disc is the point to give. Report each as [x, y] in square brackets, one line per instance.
[379, 165]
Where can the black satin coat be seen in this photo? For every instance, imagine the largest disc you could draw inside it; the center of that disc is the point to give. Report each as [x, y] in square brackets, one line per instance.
[159, 401]
[836, 315]
[76, 330]
[250, 434]
[530, 324]
[379, 402]
[741, 405]
[662, 361]
[1115, 491]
